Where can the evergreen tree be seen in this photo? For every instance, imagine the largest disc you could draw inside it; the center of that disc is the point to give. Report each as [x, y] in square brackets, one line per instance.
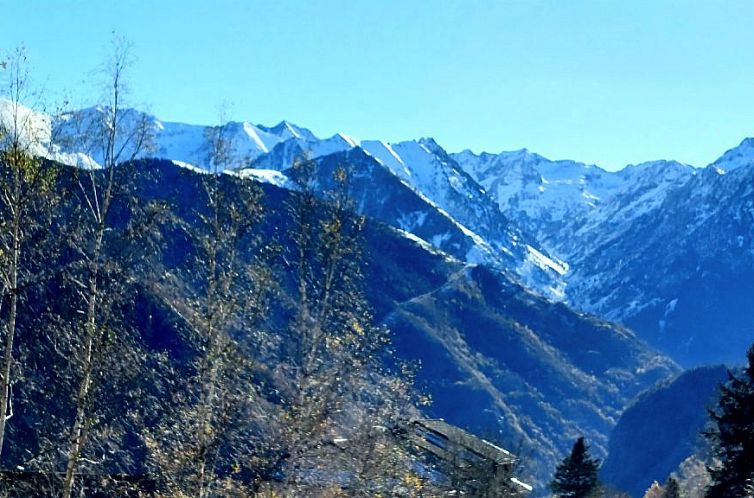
[672, 488]
[576, 475]
[732, 436]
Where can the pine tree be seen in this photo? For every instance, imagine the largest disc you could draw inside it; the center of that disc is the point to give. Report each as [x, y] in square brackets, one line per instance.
[576, 475]
[672, 488]
[733, 435]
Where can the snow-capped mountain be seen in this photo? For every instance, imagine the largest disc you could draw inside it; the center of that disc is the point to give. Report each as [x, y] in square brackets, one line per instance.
[743, 155]
[187, 143]
[425, 166]
[681, 273]
[420, 166]
[34, 131]
[567, 230]
[661, 246]
[642, 188]
[536, 190]
[548, 197]
[380, 194]
[443, 188]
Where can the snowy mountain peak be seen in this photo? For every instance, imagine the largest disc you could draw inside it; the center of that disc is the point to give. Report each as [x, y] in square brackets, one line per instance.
[431, 144]
[286, 130]
[348, 140]
[654, 169]
[737, 157]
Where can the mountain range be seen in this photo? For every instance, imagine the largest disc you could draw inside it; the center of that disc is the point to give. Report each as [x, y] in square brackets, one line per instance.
[662, 247]
[498, 271]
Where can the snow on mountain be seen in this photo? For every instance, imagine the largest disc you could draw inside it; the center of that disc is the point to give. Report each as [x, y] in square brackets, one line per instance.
[569, 231]
[680, 273]
[286, 130]
[439, 211]
[660, 246]
[179, 141]
[259, 151]
[565, 203]
[303, 147]
[425, 166]
[535, 190]
[385, 154]
[34, 131]
[267, 176]
[743, 155]
[643, 189]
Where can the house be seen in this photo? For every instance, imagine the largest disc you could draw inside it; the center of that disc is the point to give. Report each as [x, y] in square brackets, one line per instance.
[480, 467]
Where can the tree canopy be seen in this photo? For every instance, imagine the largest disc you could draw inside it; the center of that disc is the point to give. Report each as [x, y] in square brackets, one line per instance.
[732, 435]
[576, 475]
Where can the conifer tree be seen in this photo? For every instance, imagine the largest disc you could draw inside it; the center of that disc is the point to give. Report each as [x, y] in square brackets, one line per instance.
[576, 475]
[732, 436]
[672, 488]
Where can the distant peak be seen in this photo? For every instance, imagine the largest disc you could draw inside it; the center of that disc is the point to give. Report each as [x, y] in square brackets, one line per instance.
[737, 157]
[428, 141]
[659, 163]
[349, 140]
[285, 129]
[431, 145]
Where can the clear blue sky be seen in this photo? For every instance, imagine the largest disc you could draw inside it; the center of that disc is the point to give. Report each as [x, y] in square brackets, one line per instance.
[609, 82]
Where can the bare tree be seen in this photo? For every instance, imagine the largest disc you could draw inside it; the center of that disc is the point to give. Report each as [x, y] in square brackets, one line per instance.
[203, 447]
[115, 137]
[339, 404]
[26, 185]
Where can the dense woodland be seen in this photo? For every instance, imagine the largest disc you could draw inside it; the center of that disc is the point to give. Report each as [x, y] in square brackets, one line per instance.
[157, 347]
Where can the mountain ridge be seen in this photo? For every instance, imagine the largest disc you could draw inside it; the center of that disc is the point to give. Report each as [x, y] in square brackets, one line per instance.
[570, 231]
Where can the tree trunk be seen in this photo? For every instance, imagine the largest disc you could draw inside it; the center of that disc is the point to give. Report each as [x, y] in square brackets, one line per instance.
[10, 330]
[210, 383]
[79, 425]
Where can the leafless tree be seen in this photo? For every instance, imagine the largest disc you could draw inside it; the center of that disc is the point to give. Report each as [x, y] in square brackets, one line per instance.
[203, 446]
[26, 191]
[339, 405]
[114, 137]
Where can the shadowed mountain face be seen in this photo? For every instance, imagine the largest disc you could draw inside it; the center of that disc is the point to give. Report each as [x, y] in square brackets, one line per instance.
[682, 274]
[494, 357]
[661, 429]
[474, 232]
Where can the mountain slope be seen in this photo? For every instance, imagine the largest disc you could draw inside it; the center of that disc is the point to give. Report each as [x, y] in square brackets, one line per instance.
[661, 429]
[529, 370]
[381, 194]
[699, 246]
[661, 247]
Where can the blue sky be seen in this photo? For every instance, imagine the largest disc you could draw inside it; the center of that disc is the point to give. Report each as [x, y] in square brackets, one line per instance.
[606, 82]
